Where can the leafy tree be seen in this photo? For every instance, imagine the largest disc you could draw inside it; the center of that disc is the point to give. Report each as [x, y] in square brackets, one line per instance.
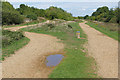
[79, 17]
[32, 16]
[86, 17]
[101, 10]
[10, 15]
[106, 15]
[58, 13]
[29, 11]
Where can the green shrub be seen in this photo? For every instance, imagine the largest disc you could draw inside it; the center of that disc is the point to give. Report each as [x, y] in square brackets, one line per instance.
[32, 16]
[9, 37]
[10, 15]
[113, 20]
[106, 15]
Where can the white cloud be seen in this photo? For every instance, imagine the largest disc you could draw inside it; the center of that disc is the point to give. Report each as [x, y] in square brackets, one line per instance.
[94, 9]
[83, 9]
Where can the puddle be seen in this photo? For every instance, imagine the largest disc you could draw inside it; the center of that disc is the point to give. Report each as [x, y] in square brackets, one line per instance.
[53, 60]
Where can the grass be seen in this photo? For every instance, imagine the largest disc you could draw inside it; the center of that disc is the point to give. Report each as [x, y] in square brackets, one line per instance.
[76, 64]
[10, 49]
[24, 24]
[108, 30]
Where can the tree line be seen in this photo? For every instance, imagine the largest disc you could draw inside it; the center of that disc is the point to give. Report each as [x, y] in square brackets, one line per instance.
[10, 15]
[105, 14]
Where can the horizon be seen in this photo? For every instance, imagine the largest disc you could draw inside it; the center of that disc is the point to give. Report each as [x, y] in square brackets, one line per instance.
[77, 8]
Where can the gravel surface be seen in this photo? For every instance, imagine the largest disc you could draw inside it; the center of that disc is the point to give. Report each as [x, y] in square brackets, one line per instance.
[26, 62]
[104, 50]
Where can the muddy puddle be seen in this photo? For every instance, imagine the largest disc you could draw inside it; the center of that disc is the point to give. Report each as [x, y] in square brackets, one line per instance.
[53, 60]
[48, 62]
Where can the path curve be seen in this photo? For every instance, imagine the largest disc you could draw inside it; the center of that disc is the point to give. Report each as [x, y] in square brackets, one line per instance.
[19, 27]
[26, 62]
[104, 50]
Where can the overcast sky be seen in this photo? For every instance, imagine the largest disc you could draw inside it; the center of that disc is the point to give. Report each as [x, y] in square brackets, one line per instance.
[63, 0]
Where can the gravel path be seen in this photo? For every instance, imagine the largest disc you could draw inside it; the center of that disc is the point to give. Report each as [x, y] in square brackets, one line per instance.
[26, 62]
[19, 27]
[0, 71]
[104, 50]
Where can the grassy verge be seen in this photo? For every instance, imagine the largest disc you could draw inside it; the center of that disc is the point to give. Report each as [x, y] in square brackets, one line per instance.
[75, 64]
[7, 51]
[24, 24]
[105, 30]
[12, 41]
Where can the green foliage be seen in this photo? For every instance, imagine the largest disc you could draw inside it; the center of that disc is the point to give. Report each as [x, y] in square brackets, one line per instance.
[10, 49]
[113, 19]
[29, 11]
[79, 17]
[101, 10]
[106, 15]
[6, 6]
[16, 16]
[9, 37]
[86, 17]
[73, 49]
[32, 16]
[12, 41]
[57, 13]
[50, 13]
[10, 15]
[107, 29]
[108, 18]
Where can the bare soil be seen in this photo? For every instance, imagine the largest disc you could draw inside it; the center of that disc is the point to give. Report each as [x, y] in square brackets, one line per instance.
[19, 27]
[29, 61]
[104, 50]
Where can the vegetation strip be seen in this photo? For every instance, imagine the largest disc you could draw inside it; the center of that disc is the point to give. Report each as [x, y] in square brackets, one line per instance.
[25, 24]
[75, 64]
[12, 41]
[105, 30]
[105, 14]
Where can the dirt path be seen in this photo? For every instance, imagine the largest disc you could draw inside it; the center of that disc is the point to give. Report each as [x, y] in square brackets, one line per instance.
[26, 62]
[19, 27]
[104, 50]
[0, 71]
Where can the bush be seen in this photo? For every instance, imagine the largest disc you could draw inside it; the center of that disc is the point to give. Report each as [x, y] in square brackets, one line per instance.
[86, 17]
[9, 17]
[113, 20]
[108, 18]
[32, 16]
[57, 13]
[9, 37]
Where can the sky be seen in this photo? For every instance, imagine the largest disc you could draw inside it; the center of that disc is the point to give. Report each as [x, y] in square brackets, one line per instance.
[76, 7]
[63, 0]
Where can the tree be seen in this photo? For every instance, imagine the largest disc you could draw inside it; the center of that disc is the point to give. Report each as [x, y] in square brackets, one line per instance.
[58, 13]
[32, 16]
[11, 18]
[86, 17]
[10, 15]
[106, 15]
